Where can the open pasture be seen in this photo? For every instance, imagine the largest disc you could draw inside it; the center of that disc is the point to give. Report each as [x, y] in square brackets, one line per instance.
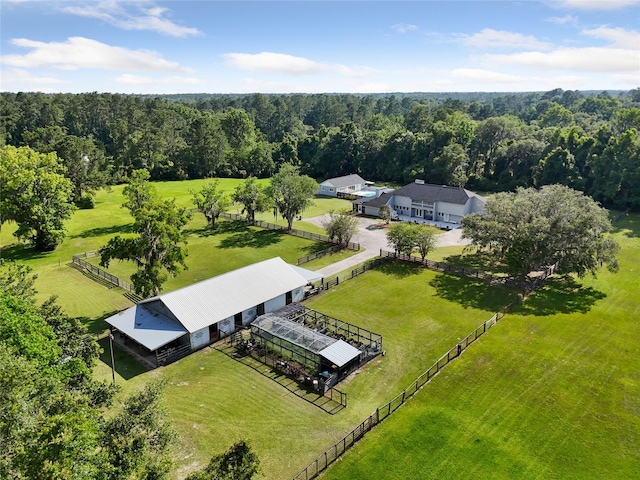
[210, 253]
[213, 400]
[552, 392]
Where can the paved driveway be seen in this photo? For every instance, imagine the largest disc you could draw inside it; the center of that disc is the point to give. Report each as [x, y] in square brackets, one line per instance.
[372, 239]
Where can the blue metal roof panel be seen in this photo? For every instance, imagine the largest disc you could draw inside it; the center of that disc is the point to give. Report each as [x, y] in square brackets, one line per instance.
[146, 327]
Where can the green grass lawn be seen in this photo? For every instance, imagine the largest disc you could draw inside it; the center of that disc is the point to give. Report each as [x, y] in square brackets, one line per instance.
[564, 403]
[213, 400]
[552, 392]
[210, 253]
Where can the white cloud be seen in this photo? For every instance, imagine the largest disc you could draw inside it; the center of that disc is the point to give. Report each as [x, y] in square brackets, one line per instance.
[148, 18]
[130, 79]
[592, 4]
[17, 79]
[620, 56]
[481, 75]
[490, 38]
[567, 19]
[290, 65]
[619, 37]
[590, 59]
[404, 27]
[274, 62]
[80, 52]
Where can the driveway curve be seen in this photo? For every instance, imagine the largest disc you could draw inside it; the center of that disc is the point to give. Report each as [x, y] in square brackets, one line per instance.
[372, 239]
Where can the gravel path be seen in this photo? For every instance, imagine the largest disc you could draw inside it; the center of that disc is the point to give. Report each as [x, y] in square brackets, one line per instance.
[372, 239]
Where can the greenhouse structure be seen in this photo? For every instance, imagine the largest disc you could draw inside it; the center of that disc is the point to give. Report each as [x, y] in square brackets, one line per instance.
[325, 351]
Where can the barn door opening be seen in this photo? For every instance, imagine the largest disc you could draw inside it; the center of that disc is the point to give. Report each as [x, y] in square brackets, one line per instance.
[238, 319]
[213, 333]
[289, 297]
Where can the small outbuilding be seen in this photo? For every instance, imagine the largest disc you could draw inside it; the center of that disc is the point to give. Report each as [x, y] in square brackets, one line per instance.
[324, 347]
[169, 326]
[348, 184]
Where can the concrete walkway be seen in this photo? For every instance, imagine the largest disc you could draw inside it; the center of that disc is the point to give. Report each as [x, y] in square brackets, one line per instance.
[372, 239]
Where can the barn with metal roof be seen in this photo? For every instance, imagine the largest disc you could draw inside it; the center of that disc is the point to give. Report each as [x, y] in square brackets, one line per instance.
[195, 316]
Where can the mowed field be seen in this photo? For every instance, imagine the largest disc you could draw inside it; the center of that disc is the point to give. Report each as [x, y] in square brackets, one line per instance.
[213, 400]
[210, 253]
[552, 391]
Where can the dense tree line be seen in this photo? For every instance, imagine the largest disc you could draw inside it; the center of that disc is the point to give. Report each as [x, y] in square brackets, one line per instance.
[57, 422]
[489, 142]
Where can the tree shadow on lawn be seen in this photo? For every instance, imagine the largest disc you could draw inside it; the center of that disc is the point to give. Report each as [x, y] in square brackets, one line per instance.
[100, 231]
[482, 261]
[126, 366]
[472, 293]
[97, 325]
[560, 295]
[400, 269]
[627, 224]
[22, 251]
[222, 227]
[252, 238]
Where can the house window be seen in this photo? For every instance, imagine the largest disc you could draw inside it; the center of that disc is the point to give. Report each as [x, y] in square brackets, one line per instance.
[331, 189]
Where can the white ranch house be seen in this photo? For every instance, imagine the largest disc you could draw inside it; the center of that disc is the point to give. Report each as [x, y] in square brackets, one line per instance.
[422, 202]
[193, 317]
[348, 184]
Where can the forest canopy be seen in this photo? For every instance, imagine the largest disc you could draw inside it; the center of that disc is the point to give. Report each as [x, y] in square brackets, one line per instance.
[588, 141]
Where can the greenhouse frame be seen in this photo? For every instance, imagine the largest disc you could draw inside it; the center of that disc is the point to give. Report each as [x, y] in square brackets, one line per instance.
[288, 333]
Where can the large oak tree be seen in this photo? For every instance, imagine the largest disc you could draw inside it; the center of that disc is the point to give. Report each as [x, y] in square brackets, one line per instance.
[157, 247]
[291, 192]
[35, 195]
[530, 229]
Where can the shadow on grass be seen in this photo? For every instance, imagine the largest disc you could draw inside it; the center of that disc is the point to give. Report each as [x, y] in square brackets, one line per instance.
[221, 227]
[100, 231]
[400, 269]
[316, 247]
[97, 325]
[325, 403]
[560, 295]
[125, 365]
[253, 239]
[22, 251]
[626, 223]
[481, 261]
[471, 293]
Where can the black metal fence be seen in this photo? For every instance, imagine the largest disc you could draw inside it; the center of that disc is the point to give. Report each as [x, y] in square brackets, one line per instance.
[320, 254]
[335, 451]
[526, 286]
[326, 284]
[326, 458]
[98, 272]
[170, 355]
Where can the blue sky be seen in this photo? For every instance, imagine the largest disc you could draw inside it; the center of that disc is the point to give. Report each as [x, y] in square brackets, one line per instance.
[318, 46]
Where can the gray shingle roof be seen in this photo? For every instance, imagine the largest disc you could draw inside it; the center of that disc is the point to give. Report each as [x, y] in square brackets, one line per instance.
[430, 193]
[341, 182]
[376, 202]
